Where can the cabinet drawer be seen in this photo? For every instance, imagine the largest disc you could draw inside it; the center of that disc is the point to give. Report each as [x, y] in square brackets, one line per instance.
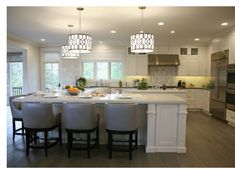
[230, 116]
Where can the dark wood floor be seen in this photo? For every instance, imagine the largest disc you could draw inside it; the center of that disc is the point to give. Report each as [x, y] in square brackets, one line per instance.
[210, 143]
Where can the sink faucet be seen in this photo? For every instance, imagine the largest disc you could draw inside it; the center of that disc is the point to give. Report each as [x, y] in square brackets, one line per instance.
[164, 86]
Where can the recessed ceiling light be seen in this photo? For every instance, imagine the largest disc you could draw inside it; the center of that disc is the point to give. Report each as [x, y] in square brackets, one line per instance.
[172, 32]
[100, 42]
[160, 23]
[196, 39]
[224, 24]
[113, 31]
[43, 39]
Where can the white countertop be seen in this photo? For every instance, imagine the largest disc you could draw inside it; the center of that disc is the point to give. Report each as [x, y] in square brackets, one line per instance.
[171, 90]
[160, 98]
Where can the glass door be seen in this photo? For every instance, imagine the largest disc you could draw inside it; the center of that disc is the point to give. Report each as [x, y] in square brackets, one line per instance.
[14, 75]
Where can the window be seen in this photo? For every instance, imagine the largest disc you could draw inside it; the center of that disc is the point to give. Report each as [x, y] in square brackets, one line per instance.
[102, 70]
[50, 67]
[51, 75]
[88, 70]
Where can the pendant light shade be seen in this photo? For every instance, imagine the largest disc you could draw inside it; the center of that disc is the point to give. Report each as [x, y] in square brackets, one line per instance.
[65, 50]
[79, 42]
[68, 54]
[142, 42]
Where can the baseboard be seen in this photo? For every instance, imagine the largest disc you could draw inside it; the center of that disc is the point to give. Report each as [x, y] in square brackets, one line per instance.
[166, 150]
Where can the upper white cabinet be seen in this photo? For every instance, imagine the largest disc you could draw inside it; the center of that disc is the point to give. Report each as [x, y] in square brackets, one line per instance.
[136, 65]
[220, 44]
[194, 65]
[232, 49]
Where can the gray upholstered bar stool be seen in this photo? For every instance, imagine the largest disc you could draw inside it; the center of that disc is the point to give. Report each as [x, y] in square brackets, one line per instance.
[121, 119]
[39, 117]
[80, 118]
[17, 115]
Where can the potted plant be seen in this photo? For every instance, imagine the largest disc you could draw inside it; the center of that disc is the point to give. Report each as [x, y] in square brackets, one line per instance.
[143, 84]
[81, 83]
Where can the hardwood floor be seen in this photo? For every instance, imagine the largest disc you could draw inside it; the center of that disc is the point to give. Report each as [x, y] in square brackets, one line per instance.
[210, 143]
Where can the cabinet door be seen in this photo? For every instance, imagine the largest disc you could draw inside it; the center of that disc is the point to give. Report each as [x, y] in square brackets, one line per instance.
[206, 100]
[183, 67]
[130, 66]
[193, 65]
[142, 65]
[232, 49]
[166, 116]
[198, 99]
[190, 98]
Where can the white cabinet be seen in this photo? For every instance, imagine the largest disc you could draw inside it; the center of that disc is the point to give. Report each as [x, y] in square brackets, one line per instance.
[230, 116]
[166, 114]
[190, 98]
[220, 44]
[198, 98]
[202, 99]
[232, 49]
[136, 65]
[195, 65]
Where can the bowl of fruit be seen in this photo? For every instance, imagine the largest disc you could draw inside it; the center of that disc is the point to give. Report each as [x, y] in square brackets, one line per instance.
[73, 91]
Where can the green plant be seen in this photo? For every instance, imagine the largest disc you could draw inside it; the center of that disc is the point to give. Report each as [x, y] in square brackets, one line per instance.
[81, 83]
[143, 84]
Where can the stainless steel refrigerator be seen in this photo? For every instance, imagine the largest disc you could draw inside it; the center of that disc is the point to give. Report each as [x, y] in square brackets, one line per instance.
[219, 63]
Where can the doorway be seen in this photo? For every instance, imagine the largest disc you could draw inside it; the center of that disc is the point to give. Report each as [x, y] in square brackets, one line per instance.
[14, 74]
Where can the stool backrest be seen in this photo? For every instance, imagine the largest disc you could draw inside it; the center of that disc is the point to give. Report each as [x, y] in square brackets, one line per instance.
[121, 117]
[15, 107]
[79, 116]
[38, 115]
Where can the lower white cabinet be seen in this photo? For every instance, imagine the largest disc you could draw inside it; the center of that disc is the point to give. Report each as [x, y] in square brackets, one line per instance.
[166, 114]
[198, 98]
[230, 116]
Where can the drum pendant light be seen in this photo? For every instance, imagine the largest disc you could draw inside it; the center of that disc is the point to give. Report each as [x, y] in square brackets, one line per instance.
[142, 42]
[65, 50]
[79, 42]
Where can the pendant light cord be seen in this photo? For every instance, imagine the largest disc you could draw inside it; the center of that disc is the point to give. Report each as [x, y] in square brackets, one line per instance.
[80, 21]
[142, 21]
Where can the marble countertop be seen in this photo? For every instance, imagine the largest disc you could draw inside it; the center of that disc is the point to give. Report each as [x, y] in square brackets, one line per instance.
[170, 90]
[160, 98]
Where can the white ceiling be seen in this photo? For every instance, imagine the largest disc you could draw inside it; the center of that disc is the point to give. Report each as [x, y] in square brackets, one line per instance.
[34, 23]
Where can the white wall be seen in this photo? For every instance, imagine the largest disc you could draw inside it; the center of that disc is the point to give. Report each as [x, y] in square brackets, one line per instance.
[31, 62]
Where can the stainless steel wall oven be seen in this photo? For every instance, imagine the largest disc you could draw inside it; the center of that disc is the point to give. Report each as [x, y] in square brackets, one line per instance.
[230, 96]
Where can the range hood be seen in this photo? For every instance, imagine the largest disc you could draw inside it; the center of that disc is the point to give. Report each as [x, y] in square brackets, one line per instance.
[163, 60]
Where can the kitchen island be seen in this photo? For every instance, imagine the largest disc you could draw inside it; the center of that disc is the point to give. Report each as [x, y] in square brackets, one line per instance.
[162, 117]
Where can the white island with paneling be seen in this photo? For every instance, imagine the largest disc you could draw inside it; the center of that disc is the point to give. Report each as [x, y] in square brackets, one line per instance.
[162, 117]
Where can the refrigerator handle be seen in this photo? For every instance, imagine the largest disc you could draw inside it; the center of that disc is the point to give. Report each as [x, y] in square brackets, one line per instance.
[216, 81]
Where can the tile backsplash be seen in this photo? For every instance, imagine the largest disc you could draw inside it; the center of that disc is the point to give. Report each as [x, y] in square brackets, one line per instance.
[159, 75]
[168, 75]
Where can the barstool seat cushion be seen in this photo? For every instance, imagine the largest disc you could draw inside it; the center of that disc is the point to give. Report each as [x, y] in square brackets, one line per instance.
[79, 116]
[39, 115]
[121, 117]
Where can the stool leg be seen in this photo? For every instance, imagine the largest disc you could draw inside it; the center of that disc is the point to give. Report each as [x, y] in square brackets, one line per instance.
[70, 141]
[97, 137]
[14, 128]
[27, 142]
[88, 144]
[45, 133]
[130, 146]
[60, 135]
[136, 139]
[35, 138]
[110, 143]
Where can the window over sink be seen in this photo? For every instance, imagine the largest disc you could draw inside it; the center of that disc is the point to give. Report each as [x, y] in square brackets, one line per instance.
[105, 70]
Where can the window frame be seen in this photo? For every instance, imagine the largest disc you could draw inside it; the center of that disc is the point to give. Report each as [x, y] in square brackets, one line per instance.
[43, 51]
[95, 69]
[44, 63]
